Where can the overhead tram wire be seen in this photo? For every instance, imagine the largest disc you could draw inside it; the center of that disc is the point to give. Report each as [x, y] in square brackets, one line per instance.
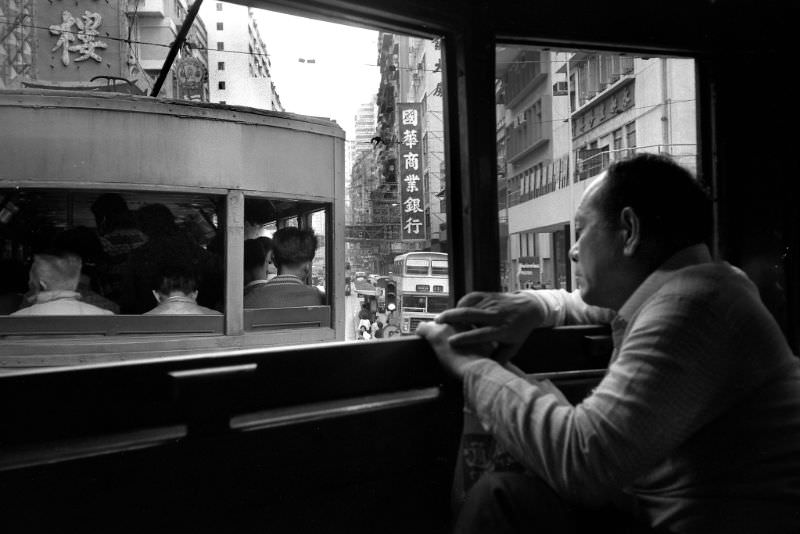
[256, 54]
[176, 45]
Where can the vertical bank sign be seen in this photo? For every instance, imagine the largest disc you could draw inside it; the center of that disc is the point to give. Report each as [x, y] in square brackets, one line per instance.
[412, 194]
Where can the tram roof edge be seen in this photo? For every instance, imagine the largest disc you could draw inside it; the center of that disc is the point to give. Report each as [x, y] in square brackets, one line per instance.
[9, 97]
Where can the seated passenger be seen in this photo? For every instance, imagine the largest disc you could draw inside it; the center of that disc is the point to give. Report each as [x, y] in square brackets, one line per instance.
[293, 252]
[695, 426]
[84, 242]
[176, 292]
[166, 240]
[54, 279]
[255, 265]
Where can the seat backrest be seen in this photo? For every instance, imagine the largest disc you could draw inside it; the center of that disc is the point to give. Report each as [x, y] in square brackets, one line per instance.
[297, 317]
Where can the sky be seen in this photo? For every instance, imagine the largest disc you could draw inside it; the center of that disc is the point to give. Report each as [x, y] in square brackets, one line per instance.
[343, 76]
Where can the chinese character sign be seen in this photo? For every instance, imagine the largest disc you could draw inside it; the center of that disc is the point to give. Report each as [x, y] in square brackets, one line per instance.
[80, 39]
[412, 194]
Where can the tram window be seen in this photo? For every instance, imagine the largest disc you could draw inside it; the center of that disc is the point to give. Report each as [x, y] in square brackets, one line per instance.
[282, 268]
[588, 118]
[114, 252]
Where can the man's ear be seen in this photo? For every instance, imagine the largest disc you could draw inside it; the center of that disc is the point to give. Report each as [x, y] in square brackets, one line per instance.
[631, 230]
[42, 285]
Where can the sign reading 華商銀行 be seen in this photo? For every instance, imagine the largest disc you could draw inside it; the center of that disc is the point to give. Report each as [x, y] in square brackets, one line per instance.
[412, 191]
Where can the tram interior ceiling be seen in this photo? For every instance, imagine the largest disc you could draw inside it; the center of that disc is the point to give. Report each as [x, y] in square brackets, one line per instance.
[266, 419]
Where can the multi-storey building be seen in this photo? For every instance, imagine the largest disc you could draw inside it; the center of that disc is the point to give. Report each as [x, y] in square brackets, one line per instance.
[410, 81]
[420, 81]
[117, 45]
[533, 161]
[563, 118]
[239, 66]
[373, 230]
[365, 126]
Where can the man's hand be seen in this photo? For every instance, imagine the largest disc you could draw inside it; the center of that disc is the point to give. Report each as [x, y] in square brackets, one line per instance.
[452, 359]
[502, 319]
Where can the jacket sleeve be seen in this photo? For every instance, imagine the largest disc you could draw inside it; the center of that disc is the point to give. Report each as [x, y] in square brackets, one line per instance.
[563, 307]
[666, 384]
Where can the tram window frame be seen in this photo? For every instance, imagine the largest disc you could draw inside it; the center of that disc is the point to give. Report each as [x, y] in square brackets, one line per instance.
[301, 218]
[96, 340]
[76, 210]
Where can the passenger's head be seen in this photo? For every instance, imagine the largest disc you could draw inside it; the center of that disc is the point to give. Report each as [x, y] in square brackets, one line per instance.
[59, 271]
[155, 220]
[111, 212]
[257, 213]
[632, 219]
[175, 278]
[293, 250]
[255, 261]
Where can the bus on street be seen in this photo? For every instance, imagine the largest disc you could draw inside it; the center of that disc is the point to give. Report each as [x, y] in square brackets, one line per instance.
[422, 287]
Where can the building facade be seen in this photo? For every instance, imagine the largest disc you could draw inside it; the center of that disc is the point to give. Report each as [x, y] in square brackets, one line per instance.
[563, 118]
[109, 46]
[239, 66]
[397, 192]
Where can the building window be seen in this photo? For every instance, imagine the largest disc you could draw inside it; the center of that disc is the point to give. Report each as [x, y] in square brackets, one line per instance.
[219, 26]
[220, 45]
[220, 65]
[221, 85]
[630, 137]
[617, 135]
[219, 6]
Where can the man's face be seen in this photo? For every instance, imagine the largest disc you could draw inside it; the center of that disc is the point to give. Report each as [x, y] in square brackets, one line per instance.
[598, 256]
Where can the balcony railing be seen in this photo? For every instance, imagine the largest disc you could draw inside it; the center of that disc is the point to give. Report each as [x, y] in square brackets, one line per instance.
[592, 162]
[555, 175]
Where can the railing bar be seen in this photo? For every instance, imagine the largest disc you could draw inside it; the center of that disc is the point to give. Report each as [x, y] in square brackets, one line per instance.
[306, 413]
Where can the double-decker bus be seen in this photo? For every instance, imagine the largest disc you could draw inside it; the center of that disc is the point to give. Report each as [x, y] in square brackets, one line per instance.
[422, 287]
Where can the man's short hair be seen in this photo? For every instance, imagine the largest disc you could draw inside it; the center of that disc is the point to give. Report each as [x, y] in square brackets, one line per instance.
[59, 271]
[673, 208]
[254, 254]
[293, 246]
[175, 276]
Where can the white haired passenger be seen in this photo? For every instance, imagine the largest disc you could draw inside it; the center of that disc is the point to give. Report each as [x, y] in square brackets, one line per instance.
[53, 279]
